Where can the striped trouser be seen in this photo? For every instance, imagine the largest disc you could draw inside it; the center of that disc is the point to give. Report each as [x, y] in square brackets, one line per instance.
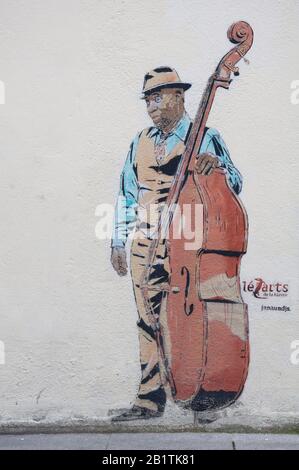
[151, 393]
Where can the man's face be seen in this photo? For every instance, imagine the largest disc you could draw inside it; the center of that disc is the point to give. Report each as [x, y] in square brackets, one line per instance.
[165, 107]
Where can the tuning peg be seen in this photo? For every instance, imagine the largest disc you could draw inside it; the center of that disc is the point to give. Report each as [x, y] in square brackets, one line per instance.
[232, 68]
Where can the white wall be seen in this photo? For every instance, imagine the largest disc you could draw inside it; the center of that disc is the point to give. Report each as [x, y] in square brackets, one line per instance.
[73, 71]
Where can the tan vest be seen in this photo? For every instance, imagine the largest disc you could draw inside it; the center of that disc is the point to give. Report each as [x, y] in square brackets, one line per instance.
[154, 181]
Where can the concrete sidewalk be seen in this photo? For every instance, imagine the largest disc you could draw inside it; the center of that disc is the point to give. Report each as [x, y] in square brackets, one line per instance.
[149, 441]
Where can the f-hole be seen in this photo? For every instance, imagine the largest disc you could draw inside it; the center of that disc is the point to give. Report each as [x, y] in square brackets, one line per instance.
[187, 308]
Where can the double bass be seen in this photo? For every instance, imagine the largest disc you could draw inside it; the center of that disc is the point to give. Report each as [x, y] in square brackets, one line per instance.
[204, 344]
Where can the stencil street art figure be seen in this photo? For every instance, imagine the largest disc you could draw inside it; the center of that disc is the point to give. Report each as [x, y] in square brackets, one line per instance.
[151, 164]
[179, 190]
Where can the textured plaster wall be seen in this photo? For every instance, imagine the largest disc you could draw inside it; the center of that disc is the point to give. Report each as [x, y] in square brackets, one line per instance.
[73, 72]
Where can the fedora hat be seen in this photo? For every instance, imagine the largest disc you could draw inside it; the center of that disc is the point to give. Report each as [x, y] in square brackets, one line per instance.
[162, 77]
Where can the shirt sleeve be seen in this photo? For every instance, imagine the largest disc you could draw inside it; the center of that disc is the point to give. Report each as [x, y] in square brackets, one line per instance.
[127, 200]
[214, 143]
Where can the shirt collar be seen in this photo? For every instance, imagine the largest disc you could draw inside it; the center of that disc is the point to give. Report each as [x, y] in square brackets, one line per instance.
[180, 130]
[182, 127]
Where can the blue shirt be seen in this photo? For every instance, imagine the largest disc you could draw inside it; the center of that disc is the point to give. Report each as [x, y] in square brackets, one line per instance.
[127, 201]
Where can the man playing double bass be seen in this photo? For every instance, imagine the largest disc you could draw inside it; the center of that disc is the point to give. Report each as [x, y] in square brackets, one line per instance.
[152, 162]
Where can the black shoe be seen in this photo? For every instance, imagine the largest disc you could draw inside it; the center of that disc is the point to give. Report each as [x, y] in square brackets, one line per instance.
[137, 412]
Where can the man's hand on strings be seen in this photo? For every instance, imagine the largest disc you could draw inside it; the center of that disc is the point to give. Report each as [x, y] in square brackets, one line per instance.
[119, 260]
[206, 163]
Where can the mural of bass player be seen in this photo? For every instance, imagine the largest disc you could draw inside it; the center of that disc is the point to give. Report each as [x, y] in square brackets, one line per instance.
[150, 167]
